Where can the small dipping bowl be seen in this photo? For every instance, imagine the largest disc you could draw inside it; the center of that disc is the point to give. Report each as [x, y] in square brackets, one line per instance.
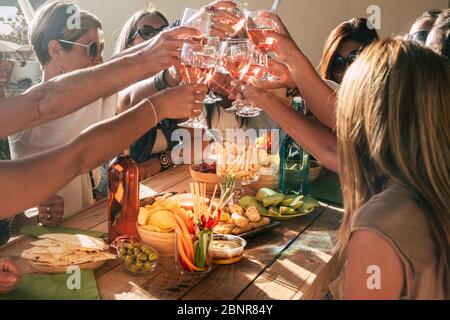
[227, 249]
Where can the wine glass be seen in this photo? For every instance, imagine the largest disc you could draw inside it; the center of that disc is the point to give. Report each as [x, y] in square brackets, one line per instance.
[201, 21]
[257, 24]
[197, 66]
[256, 71]
[239, 161]
[212, 48]
[236, 56]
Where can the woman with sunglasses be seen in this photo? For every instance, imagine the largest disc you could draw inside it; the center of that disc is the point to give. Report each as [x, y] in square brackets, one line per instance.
[343, 46]
[62, 50]
[150, 151]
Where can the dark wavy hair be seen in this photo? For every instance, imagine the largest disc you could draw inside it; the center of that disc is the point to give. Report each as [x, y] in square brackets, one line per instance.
[357, 29]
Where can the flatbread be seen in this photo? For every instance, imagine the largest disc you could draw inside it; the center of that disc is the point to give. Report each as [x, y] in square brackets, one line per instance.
[59, 251]
[82, 242]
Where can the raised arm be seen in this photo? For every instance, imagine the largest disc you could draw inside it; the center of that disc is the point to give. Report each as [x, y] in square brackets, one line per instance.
[32, 180]
[320, 98]
[319, 140]
[133, 94]
[68, 93]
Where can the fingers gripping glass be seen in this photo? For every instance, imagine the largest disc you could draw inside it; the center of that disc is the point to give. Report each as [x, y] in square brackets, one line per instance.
[148, 32]
[258, 23]
[196, 68]
[340, 64]
[93, 49]
[236, 56]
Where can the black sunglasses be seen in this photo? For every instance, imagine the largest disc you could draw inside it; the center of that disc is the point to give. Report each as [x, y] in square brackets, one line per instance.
[147, 32]
[420, 36]
[93, 49]
[340, 64]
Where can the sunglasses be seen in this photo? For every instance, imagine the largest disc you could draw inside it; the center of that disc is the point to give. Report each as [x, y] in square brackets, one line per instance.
[420, 36]
[340, 64]
[93, 49]
[147, 32]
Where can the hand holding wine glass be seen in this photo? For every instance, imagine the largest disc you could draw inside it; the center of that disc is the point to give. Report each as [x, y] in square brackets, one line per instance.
[236, 58]
[254, 74]
[282, 72]
[258, 23]
[197, 67]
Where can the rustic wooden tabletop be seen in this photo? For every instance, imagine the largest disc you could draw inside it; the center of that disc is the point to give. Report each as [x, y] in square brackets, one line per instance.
[281, 264]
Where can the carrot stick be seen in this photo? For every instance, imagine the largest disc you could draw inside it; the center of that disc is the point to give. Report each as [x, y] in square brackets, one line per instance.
[183, 256]
[186, 243]
[189, 263]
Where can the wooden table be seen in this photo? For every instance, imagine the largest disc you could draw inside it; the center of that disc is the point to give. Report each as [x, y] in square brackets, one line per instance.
[281, 264]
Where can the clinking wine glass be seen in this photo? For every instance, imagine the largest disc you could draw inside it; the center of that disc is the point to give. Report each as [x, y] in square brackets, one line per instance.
[196, 67]
[201, 21]
[236, 58]
[240, 161]
[257, 24]
[256, 71]
[212, 48]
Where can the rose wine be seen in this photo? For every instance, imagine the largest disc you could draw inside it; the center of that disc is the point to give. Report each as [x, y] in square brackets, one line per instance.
[194, 75]
[237, 65]
[123, 198]
[259, 39]
[256, 70]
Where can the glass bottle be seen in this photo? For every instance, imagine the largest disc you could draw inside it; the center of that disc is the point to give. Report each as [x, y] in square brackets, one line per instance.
[123, 197]
[294, 161]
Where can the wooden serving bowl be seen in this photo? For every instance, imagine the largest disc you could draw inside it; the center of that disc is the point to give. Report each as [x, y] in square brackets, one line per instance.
[271, 182]
[163, 243]
[210, 179]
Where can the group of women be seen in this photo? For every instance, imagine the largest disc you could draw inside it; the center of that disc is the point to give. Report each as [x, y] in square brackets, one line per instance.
[379, 117]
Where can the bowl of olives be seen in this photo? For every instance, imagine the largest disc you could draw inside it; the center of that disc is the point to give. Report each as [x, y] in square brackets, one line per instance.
[137, 259]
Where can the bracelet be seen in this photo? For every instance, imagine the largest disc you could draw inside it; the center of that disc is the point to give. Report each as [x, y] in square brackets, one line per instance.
[159, 82]
[166, 161]
[154, 111]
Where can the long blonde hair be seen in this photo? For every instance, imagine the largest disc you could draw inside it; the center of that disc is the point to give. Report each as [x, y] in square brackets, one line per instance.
[393, 124]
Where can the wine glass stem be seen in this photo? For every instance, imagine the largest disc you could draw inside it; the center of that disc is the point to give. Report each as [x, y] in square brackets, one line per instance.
[266, 64]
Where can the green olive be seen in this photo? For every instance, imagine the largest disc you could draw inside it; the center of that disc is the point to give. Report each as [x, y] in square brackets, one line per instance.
[139, 265]
[142, 257]
[131, 246]
[128, 261]
[133, 268]
[148, 266]
[153, 257]
[130, 252]
[123, 252]
[133, 257]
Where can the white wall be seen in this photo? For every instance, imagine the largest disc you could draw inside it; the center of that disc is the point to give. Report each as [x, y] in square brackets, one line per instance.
[310, 21]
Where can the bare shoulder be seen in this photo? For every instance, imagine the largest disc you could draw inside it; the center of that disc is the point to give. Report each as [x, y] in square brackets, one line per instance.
[374, 269]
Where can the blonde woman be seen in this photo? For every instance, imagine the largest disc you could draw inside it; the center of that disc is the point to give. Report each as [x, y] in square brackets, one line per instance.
[394, 139]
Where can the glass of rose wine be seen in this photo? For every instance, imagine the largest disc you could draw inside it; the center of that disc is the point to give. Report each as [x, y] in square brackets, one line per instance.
[255, 71]
[257, 23]
[212, 49]
[236, 58]
[197, 67]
